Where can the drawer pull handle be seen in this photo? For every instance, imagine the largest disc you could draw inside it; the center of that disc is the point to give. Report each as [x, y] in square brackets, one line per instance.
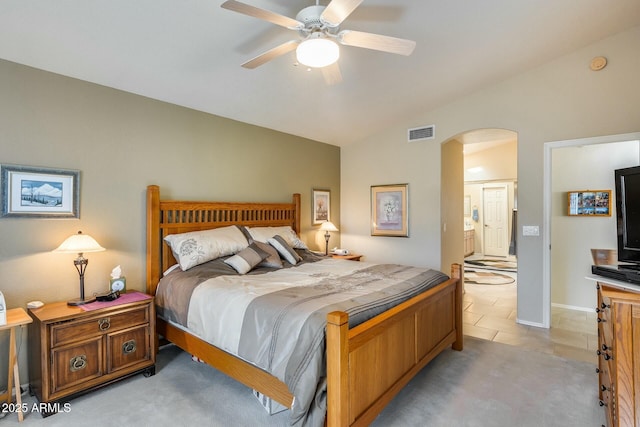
[605, 305]
[77, 363]
[600, 320]
[129, 347]
[601, 403]
[104, 324]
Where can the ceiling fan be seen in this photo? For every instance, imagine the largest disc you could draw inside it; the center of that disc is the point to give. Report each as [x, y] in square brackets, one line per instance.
[319, 33]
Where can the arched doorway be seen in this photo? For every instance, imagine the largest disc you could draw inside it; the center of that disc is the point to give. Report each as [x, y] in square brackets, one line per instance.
[476, 165]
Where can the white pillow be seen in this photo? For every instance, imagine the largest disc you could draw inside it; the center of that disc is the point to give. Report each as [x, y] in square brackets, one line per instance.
[285, 250]
[263, 234]
[197, 247]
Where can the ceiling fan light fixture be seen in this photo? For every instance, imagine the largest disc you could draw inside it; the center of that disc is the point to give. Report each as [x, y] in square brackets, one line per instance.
[317, 52]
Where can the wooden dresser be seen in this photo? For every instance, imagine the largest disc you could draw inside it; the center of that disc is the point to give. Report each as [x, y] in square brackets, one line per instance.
[619, 351]
[72, 351]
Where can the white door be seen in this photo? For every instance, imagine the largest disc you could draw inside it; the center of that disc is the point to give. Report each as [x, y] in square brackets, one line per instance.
[496, 222]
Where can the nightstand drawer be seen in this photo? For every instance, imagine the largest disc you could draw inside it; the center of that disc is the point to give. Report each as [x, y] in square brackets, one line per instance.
[63, 333]
[76, 364]
[127, 348]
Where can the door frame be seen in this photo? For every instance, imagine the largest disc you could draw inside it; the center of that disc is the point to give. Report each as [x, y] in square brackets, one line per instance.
[547, 202]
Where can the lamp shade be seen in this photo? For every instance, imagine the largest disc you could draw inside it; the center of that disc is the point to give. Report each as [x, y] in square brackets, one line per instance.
[328, 226]
[317, 52]
[79, 243]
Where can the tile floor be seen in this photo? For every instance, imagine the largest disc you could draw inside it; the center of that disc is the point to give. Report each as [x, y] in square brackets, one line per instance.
[490, 313]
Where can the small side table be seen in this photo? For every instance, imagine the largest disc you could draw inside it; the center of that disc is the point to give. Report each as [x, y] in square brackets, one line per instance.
[350, 257]
[15, 317]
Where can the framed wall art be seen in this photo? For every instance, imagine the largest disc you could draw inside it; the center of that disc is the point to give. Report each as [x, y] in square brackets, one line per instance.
[39, 192]
[589, 203]
[321, 206]
[390, 210]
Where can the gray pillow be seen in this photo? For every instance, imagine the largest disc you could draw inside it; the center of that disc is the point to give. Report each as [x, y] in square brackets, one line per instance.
[273, 260]
[284, 249]
[246, 259]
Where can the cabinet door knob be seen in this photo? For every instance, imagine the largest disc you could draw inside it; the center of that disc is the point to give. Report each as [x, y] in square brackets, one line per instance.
[77, 363]
[129, 347]
[601, 403]
[104, 324]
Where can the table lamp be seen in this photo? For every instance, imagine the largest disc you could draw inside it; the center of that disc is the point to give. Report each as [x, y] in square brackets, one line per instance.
[327, 226]
[80, 243]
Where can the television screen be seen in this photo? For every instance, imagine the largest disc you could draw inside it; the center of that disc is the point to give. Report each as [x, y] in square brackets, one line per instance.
[628, 213]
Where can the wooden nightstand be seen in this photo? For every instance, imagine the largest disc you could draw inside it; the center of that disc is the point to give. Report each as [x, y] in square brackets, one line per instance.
[350, 257]
[72, 351]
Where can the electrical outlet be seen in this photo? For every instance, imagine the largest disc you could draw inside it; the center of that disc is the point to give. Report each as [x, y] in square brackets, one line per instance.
[530, 230]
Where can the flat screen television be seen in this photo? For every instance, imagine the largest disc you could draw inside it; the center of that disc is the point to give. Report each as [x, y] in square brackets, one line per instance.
[628, 214]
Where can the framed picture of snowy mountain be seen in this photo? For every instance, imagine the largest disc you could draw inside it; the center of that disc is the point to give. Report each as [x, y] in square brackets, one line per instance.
[37, 192]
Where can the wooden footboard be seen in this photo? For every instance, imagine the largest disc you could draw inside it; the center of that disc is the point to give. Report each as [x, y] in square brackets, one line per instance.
[369, 364]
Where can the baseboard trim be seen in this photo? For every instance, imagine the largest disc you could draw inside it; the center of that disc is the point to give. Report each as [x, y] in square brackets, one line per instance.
[526, 322]
[573, 307]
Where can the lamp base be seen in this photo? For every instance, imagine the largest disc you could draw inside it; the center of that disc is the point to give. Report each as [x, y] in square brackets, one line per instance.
[80, 301]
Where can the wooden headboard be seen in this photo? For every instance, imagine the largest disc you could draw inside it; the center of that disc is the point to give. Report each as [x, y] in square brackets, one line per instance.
[166, 217]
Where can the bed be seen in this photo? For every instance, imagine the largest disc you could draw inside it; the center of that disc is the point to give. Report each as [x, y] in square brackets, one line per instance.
[366, 364]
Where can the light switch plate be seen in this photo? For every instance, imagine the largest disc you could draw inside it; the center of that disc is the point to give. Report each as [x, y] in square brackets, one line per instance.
[530, 230]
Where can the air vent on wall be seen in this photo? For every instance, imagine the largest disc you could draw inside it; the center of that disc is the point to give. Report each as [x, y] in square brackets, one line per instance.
[422, 133]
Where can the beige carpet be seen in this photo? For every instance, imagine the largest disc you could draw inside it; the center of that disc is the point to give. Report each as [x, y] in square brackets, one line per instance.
[488, 384]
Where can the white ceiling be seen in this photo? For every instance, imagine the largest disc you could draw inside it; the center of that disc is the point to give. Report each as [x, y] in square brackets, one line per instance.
[188, 52]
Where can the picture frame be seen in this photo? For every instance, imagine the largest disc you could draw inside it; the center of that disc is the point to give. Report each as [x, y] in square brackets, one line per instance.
[39, 192]
[390, 210]
[589, 203]
[321, 206]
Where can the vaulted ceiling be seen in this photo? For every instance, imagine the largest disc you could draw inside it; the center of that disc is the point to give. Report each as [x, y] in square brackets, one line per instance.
[189, 52]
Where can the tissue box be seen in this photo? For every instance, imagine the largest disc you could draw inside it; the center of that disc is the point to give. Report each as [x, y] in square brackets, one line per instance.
[270, 405]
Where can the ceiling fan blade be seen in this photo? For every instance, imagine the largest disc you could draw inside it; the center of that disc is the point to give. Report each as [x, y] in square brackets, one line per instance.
[332, 74]
[265, 15]
[271, 54]
[376, 42]
[338, 10]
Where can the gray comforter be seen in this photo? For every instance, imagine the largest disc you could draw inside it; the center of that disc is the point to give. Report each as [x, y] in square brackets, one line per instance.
[276, 319]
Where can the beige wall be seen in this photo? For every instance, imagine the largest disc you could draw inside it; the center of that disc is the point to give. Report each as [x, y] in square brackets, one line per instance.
[121, 143]
[561, 100]
[499, 163]
[452, 215]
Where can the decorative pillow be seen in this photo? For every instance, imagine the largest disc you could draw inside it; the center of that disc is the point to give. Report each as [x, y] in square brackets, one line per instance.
[247, 258]
[197, 247]
[284, 249]
[263, 234]
[273, 260]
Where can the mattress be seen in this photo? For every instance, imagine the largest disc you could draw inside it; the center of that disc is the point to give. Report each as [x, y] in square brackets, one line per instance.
[276, 318]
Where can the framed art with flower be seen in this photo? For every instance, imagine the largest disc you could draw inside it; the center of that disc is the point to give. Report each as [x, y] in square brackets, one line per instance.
[390, 210]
